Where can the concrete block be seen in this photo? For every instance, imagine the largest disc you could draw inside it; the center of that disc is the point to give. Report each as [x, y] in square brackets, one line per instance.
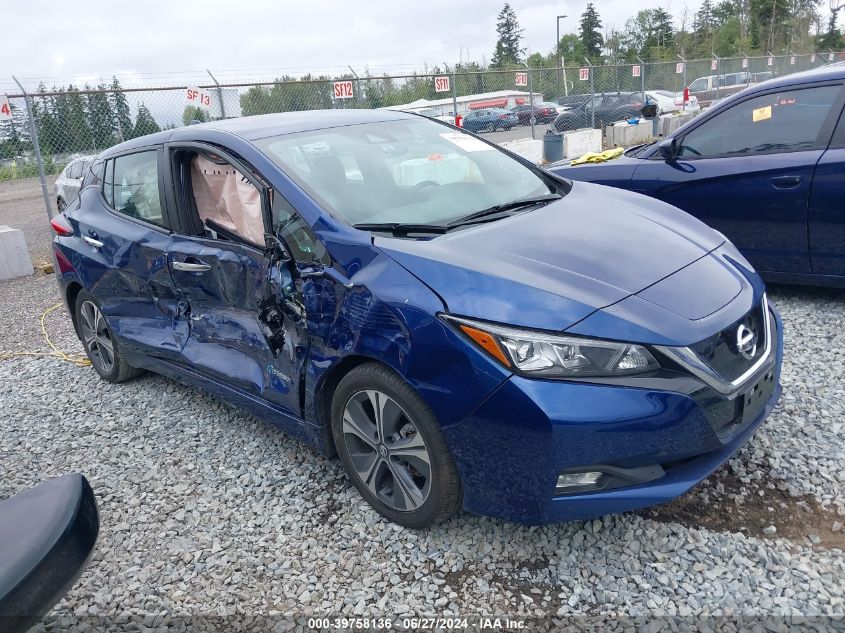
[579, 142]
[14, 255]
[670, 123]
[623, 134]
[528, 148]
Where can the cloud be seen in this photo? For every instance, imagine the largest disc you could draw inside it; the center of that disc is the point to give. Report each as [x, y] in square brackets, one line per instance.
[158, 41]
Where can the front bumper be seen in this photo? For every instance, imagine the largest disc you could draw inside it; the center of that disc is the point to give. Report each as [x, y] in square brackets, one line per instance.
[512, 448]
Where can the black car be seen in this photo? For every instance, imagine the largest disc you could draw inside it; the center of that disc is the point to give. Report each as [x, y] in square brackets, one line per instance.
[609, 107]
[543, 113]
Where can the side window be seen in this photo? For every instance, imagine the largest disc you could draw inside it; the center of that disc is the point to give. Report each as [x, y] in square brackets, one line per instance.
[134, 182]
[94, 176]
[777, 122]
[297, 235]
[698, 85]
[108, 183]
[75, 170]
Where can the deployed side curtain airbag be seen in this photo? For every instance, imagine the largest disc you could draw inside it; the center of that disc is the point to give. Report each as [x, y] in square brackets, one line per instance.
[225, 196]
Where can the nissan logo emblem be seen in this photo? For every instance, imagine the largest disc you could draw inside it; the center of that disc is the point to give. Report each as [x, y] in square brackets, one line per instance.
[746, 342]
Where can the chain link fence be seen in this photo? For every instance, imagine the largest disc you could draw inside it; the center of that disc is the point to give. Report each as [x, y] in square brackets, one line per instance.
[43, 130]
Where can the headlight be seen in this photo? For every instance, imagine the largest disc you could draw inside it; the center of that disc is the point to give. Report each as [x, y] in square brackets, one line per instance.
[542, 354]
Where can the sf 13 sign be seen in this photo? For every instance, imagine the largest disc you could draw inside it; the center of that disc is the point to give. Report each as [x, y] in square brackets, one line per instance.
[714, 64]
[5, 108]
[198, 97]
[343, 90]
[635, 71]
[441, 84]
[583, 74]
[679, 68]
[521, 79]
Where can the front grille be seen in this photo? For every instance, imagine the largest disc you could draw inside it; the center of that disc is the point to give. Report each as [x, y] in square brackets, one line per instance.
[724, 353]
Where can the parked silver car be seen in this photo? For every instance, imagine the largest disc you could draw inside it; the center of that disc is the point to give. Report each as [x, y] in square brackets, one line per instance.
[70, 180]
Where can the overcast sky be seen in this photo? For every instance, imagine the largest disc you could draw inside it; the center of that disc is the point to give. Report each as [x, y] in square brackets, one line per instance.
[150, 39]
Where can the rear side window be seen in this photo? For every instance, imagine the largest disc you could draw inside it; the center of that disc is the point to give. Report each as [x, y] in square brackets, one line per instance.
[75, 170]
[131, 186]
[779, 122]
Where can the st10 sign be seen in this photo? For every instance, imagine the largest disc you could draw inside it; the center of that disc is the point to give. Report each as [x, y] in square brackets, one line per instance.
[343, 90]
[521, 79]
[198, 97]
[5, 109]
[441, 84]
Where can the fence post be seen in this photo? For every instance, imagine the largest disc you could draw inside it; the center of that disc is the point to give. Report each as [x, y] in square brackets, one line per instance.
[531, 100]
[455, 96]
[684, 81]
[219, 94]
[358, 96]
[37, 148]
[718, 67]
[592, 93]
[642, 77]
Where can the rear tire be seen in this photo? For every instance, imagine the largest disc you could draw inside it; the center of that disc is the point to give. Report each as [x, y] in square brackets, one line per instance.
[99, 342]
[60, 204]
[491, 127]
[391, 447]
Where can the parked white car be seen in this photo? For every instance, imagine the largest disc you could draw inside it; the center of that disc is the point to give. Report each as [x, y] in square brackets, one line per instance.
[672, 101]
[69, 181]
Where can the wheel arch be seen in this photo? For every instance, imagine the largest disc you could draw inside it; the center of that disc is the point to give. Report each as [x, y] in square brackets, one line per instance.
[71, 293]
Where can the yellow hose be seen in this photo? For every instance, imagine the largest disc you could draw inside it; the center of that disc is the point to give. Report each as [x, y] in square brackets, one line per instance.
[80, 360]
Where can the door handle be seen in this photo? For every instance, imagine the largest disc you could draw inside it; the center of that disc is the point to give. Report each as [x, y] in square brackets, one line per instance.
[92, 242]
[786, 182]
[191, 267]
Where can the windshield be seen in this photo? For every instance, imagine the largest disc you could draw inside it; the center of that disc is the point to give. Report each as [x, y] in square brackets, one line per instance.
[408, 171]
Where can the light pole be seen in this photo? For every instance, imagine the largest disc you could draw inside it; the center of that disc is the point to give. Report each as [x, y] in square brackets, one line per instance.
[560, 60]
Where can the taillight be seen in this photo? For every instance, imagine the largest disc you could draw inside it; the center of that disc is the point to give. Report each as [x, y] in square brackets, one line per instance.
[503, 116]
[60, 226]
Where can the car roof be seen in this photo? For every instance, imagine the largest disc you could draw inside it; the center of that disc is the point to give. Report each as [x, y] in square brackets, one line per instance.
[822, 73]
[261, 126]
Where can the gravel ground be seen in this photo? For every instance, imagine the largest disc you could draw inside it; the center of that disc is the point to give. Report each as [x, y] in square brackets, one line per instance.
[209, 512]
[22, 207]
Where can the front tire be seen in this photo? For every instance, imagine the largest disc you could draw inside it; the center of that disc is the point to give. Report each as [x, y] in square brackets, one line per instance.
[99, 342]
[391, 447]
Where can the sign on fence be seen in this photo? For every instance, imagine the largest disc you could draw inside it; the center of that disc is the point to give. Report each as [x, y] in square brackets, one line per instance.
[441, 84]
[198, 97]
[679, 68]
[635, 70]
[830, 57]
[812, 59]
[792, 61]
[5, 108]
[343, 90]
[521, 79]
[771, 61]
[584, 74]
[714, 64]
[745, 62]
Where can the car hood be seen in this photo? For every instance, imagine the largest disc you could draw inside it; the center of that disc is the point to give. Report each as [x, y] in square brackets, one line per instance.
[617, 170]
[553, 266]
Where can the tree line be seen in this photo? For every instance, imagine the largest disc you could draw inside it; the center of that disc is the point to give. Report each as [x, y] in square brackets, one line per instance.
[70, 120]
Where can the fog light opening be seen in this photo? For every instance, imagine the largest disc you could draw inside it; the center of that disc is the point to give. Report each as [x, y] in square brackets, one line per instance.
[576, 481]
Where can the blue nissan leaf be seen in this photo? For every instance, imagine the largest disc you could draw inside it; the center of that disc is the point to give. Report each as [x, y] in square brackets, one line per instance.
[461, 328]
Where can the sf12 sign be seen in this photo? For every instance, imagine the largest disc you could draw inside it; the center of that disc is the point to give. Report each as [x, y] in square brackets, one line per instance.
[583, 74]
[635, 71]
[198, 97]
[441, 84]
[343, 90]
[521, 79]
[714, 64]
[5, 109]
[679, 68]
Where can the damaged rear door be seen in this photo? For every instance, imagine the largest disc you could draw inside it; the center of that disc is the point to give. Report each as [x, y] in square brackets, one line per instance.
[242, 321]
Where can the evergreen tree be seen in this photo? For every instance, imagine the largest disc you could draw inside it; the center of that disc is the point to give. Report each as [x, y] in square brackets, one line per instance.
[508, 52]
[122, 116]
[49, 135]
[590, 33]
[193, 113]
[101, 121]
[144, 123]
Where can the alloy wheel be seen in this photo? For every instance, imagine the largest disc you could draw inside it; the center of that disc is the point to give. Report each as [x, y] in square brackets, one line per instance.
[96, 336]
[386, 449]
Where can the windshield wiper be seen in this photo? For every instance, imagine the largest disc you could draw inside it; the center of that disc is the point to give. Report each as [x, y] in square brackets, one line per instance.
[398, 228]
[506, 206]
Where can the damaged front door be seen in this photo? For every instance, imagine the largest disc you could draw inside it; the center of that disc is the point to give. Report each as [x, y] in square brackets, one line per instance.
[242, 322]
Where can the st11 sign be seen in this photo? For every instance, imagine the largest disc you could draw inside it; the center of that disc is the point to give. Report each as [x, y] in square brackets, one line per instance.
[198, 97]
[5, 109]
[521, 79]
[441, 84]
[343, 90]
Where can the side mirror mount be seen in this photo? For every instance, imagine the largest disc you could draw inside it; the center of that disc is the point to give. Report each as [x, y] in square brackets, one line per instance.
[668, 148]
[275, 250]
